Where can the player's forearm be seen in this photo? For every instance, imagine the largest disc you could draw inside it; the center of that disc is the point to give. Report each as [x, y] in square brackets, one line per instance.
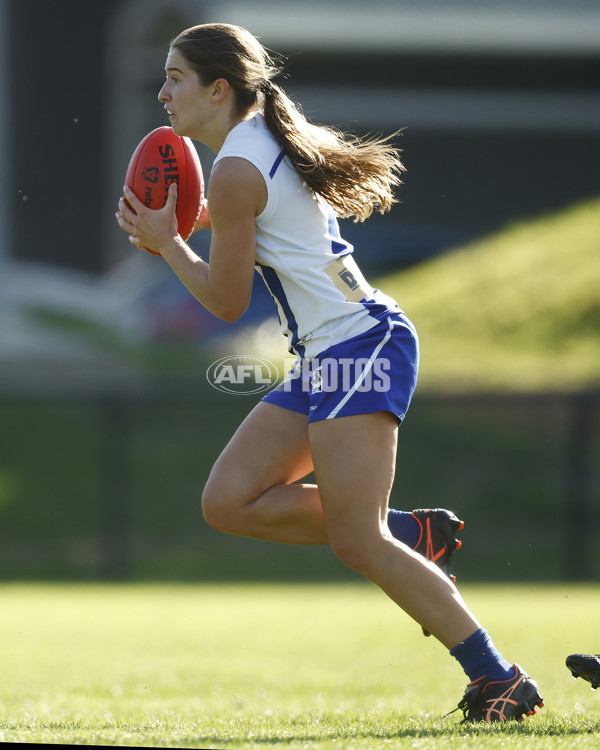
[194, 273]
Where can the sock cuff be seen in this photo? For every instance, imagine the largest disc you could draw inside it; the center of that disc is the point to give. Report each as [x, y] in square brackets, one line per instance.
[477, 637]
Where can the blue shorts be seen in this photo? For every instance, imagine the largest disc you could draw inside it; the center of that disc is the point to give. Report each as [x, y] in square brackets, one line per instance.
[376, 371]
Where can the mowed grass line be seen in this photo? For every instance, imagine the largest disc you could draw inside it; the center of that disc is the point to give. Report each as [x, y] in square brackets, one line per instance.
[294, 666]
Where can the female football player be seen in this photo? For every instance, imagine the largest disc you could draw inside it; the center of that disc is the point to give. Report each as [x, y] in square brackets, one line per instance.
[277, 187]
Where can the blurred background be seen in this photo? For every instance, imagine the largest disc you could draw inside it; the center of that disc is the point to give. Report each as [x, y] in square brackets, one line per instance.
[108, 426]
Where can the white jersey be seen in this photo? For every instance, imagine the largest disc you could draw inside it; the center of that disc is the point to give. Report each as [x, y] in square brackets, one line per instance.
[322, 297]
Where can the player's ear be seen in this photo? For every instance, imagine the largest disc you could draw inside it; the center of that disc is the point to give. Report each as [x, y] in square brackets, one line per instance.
[220, 89]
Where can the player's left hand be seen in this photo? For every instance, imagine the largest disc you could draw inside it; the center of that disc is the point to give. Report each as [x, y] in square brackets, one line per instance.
[203, 220]
[148, 228]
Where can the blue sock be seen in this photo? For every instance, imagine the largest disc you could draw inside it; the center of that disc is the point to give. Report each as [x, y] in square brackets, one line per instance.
[404, 527]
[478, 657]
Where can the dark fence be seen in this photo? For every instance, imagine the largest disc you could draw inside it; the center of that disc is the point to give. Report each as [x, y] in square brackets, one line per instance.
[109, 487]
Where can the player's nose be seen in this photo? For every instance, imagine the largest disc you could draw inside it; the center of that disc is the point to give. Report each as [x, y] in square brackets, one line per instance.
[163, 94]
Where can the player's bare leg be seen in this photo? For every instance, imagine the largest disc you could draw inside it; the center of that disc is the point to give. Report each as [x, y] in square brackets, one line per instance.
[354, 459]
[250, 490]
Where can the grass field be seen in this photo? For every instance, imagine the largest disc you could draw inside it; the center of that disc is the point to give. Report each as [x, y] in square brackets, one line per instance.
[290, 666]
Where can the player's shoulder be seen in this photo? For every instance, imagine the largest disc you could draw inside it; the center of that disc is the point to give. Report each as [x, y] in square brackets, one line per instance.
[234, 183]
[249, 150]
[237, 169]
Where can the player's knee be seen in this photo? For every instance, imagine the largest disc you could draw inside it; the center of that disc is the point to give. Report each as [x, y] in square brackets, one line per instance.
[215, 508]
[353, 550]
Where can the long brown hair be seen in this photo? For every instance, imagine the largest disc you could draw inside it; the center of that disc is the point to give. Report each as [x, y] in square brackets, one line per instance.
[354, 176]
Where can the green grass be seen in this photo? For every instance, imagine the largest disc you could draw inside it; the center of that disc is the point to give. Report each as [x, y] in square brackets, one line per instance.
[251, 666]
[518, 310]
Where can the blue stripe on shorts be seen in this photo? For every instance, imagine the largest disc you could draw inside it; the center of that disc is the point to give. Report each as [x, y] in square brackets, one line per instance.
[376, 371]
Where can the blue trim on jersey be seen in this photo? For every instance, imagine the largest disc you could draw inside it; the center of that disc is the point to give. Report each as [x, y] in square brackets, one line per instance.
[338, 245]
[276, 164]
[275, 287]
[379, 310]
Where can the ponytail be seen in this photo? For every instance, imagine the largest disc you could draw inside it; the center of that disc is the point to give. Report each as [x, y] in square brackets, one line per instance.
[353, 176]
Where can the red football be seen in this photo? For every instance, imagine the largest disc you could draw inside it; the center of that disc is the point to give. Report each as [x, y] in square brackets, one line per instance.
[160, 159]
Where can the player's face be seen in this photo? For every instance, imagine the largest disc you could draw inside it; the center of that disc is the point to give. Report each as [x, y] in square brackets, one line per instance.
[184, 98]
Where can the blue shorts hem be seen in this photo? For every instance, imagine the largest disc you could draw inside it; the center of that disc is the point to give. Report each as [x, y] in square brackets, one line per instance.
[287, 401]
